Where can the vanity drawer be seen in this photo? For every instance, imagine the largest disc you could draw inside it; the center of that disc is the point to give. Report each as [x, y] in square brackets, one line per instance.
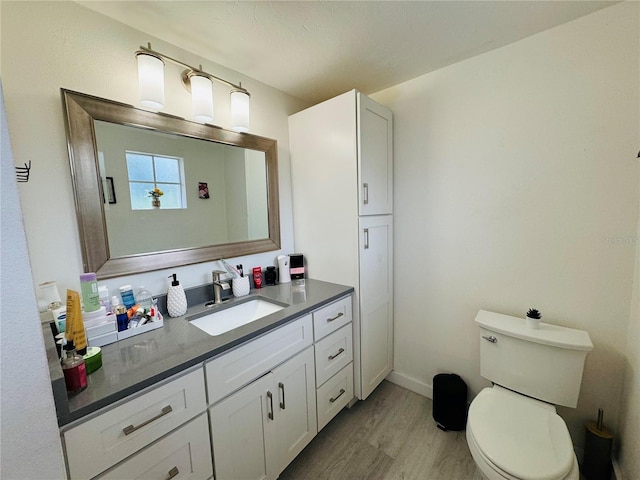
[331, 317]
[100, 442]
[184, 453]
[333, 353]
[334, 395]
[232, 370]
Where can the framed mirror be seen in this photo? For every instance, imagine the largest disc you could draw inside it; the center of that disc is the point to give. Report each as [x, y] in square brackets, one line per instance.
[154, 191]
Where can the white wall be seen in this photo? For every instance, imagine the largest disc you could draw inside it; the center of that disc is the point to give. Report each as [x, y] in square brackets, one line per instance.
[30, 445]
[49, 45]
[46, 46]
[630, 404]
[516, 186]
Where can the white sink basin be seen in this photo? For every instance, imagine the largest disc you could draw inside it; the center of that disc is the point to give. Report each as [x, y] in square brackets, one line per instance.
[234, 316]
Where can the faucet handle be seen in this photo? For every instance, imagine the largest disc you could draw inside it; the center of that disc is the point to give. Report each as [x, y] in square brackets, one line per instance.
[216, 274]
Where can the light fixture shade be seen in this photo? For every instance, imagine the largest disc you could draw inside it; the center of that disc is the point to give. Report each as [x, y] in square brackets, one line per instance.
[202, 98]
[151, 80]
[239, 111]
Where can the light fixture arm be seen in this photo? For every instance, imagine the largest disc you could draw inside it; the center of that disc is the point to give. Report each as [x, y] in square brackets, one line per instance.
[190, 70]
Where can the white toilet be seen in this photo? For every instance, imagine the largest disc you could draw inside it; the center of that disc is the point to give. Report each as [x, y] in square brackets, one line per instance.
[513, 430]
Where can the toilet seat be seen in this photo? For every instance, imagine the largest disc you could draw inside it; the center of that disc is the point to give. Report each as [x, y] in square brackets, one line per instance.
[519, 437]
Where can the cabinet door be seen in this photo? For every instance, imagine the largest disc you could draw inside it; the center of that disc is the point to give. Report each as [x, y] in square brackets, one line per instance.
[375, 157]
[295, 412]
[243, 433]
[376, 301]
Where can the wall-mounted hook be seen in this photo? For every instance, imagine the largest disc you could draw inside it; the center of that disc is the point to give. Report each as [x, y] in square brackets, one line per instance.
[22, 173]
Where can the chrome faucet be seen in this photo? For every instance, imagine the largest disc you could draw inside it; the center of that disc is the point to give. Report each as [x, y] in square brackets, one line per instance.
[218, 286]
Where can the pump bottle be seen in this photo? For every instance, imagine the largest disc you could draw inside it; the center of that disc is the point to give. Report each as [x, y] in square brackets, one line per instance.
[74, 370]
[176, 299]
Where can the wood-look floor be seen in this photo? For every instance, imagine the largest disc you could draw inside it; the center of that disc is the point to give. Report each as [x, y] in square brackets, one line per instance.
[391, 435]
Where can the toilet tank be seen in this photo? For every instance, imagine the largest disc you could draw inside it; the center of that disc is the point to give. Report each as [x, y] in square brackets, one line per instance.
[544, 363]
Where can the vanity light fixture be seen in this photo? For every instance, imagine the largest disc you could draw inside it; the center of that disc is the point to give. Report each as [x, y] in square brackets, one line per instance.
[197, 81]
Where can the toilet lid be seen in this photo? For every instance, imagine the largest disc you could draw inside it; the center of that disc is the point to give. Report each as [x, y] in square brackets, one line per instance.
[519, 436]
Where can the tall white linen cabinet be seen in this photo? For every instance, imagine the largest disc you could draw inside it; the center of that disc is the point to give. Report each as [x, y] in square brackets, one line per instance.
[342, 176]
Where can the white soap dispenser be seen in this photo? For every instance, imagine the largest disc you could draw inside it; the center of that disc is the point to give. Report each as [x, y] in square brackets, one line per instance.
[176, 299]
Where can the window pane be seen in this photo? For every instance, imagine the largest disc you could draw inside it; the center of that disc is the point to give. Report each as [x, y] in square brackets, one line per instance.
[140, 167]
[172, 197]
[167, 170]
[140, 199]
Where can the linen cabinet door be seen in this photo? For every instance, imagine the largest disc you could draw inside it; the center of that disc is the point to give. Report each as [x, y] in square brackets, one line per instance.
[376, 301]
[243, 433]
[296, 407]
[375, 157]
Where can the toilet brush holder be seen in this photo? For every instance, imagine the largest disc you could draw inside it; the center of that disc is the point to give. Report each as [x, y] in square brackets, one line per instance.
[597, 450]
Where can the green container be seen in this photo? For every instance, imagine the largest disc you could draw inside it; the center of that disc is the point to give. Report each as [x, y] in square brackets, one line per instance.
[89, 291]
[92, 359]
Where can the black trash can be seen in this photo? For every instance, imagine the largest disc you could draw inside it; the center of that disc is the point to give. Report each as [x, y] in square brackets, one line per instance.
[449, 402]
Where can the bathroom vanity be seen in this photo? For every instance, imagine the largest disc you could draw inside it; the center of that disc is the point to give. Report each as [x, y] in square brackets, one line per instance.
[255, 396]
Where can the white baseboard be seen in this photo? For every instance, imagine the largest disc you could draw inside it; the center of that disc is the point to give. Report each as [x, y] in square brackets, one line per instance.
[410, 383]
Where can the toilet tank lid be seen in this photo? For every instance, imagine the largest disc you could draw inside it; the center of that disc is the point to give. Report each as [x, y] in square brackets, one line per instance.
[547, 334]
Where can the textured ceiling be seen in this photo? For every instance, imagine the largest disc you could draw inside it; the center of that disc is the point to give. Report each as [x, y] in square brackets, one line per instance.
[315, 50]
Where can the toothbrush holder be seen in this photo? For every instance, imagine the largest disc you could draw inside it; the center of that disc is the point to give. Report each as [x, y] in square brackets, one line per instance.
[240, 286]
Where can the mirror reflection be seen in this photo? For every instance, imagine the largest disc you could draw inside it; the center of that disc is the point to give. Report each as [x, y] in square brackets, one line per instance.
[165, 192]
[154, 191]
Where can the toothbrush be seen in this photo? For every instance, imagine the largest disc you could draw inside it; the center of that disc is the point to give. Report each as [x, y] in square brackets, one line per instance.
[229, 268]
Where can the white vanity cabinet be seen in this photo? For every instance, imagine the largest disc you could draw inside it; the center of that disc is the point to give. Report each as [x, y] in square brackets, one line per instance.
[258, 430]
[243, 414]
[342, 178]
[143, 427]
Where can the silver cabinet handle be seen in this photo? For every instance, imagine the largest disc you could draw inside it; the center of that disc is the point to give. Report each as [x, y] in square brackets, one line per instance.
[335, 318]
[331, 357]
[491, 339]
[366, 238]
[173, 473]
[281, 387]
[270, 413]
[342, 390]
[365, 193]
[130, 429]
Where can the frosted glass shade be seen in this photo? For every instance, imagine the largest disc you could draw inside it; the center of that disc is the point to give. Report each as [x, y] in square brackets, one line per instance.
[202, 98]
[151, 81]
[239, 111]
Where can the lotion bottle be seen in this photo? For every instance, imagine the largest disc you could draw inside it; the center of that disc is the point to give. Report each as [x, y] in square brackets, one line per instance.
[176, 299]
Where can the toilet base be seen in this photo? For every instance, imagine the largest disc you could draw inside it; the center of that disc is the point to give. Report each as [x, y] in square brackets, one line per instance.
[489, 471]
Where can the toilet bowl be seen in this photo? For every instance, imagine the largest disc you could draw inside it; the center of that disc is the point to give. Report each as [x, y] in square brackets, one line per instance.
[514, 437]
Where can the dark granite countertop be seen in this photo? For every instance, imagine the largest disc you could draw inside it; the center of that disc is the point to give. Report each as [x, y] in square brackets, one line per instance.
[143, 360]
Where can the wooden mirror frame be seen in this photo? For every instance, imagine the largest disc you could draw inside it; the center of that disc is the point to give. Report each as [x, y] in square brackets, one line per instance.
[81, 111]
